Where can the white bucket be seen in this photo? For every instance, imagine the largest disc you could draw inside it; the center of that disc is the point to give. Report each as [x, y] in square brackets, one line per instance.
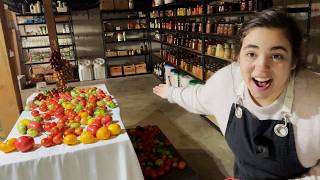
[85, 70]
[99, 68]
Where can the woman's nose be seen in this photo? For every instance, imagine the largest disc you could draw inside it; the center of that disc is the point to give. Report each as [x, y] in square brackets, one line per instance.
[262, 63]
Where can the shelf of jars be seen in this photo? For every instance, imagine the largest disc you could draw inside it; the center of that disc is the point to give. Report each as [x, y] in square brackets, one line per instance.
[127, 40]
[45, 62]
[124, 18]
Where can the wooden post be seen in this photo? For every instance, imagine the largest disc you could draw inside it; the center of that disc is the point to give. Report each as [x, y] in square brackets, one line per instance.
[51, 24]
[10, 99]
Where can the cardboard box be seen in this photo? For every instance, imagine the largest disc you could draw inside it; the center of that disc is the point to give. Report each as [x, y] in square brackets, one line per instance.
[121, 4]
[107, 4]
[129, 69]
[141, 68]
[116, 70]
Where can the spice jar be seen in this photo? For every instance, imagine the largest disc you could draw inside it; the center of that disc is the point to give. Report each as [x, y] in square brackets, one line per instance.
[225, 29]
[195, 43]
[231, 30]
[227, 51]
[209, 9]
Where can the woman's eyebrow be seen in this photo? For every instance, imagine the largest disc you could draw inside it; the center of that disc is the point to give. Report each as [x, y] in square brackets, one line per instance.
[279, 48]
[251, 46]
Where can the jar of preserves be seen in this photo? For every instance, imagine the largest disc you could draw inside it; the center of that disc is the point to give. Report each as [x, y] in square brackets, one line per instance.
[209, 9]
[195, 43]
[209, 27]
[227, 51]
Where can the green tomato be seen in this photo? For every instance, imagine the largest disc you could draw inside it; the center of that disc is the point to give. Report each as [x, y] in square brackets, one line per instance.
[32, 132]
[37, 118]
[112, 105]
[100, 112]
[100, 103]
[36, 102]
[75, 125]
[74, 93]
[61, 101]
[22, 129]
[50, 106]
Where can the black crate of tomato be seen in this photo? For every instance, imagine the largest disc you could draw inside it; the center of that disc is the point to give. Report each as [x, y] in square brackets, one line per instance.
[157, 156]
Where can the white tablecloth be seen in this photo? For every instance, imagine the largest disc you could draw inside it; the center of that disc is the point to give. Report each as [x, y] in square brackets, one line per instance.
[113, 159]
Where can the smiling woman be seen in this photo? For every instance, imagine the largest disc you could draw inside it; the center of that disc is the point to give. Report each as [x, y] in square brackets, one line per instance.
[266, 108]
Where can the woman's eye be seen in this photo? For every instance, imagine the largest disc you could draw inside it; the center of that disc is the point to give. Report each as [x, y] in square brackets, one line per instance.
[251, 55]
[277, 57]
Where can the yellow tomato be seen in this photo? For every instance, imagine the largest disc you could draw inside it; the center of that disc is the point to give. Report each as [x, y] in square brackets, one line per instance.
[103, 133]
[84, 115]
[87, 138]
[90, 121]
[115, 129]
[25, 121]
[70, 139]
[8, 146]
[69, 106]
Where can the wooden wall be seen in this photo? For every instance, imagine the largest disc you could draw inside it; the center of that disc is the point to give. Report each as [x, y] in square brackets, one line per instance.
[10, 100]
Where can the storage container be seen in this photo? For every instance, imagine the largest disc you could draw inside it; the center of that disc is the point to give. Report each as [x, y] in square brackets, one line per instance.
[116, 70]
[99, 68]
[141, 68]
[85, 70]
[129, 69]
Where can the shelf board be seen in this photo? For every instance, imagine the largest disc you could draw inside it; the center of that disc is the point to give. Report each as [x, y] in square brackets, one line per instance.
[63, 34]
[219, 58]
[180, 32]
[184, 48]
[62, 13]
[63, 22]
[126, 56]
[189, 73]
[298, 10]
[38, 35]
[123, 19]
[221, 37]
[120, 11]
[47, 62]
[38, 23]
[232, 13]
[130, 75]
[128, 40]
[36, 47]
[127, 30]
[40, 47]
[34, 35]
[31, 14]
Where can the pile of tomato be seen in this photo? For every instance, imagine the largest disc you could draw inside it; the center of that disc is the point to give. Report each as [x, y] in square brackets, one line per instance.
[78, 115]
[155, 152]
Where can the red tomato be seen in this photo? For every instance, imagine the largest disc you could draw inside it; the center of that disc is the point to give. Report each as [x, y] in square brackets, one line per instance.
[47, 142]
[47, 126]
[57, 139]
[54, 130]
[69, 131]
[46, 117]
[43, 108]
[78, 131]
[35, 113]
[182, 164]
[77, 119]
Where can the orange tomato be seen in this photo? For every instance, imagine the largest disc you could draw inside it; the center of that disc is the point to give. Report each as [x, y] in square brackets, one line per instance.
[70, 139]
[103, 133]
[115, 129]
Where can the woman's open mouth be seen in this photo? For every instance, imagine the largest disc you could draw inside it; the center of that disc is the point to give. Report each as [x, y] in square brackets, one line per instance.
[262, 83]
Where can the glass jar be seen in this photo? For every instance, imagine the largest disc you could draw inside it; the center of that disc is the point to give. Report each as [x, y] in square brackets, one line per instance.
[195, 43]
[225, 29]
[209, 9]
[227, 51]
[209, 27]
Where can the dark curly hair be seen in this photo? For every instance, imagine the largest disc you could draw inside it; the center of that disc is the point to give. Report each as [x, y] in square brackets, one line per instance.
[275, 18]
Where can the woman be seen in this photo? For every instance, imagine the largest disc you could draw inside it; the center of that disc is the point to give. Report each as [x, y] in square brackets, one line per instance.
[268, 111]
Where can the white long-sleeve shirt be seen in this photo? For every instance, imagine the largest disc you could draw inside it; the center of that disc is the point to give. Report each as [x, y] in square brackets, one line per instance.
[219, 92]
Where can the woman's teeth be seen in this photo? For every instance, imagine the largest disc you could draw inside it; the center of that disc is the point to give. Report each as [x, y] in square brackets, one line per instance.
[262, 82]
